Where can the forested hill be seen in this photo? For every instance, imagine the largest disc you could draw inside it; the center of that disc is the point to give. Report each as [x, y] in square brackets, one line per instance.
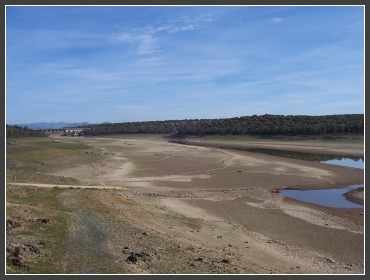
[263, 124]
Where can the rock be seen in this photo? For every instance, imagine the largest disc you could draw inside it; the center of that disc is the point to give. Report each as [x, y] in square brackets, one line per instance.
[19, 262]
[44, 220]
[33, 249]
[18, 254]
[11, 224]
[132, 259]
[126, 250]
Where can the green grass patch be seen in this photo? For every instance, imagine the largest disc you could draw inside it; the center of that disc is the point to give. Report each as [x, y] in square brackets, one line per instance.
[48, 143]
[46, 197]
[190, 222]
[33, 160]
[53, 234]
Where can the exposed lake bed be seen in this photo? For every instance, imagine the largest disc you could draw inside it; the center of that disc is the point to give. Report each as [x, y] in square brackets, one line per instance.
[211, 204]
[350, 196]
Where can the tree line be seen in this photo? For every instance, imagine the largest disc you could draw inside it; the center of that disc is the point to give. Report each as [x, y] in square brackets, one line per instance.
[254, 125]
[16, 131]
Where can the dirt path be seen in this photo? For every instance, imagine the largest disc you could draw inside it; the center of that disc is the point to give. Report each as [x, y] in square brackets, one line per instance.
[64, 186]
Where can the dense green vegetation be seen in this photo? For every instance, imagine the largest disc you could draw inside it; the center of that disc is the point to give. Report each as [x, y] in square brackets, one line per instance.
[15, 131]
[253, 125]
[246, 125]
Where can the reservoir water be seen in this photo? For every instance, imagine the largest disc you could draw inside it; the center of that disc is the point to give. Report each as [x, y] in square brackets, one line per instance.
[359, 163]
[325, 197]
[330, 197]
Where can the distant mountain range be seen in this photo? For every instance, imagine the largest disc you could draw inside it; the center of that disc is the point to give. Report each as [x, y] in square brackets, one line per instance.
[45, 125]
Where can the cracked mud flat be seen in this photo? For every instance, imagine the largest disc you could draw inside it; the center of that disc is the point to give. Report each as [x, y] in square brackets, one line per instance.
[160, 207]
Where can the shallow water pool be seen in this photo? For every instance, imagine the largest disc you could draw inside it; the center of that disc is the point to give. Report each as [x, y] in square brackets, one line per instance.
[328, 197]
[359, 163]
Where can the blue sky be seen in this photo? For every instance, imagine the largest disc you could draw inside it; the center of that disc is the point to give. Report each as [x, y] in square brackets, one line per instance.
[145, 63]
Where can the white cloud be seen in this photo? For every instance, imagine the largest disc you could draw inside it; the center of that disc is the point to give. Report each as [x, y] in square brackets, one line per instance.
[277, 20]
[146, 44]
[150, 62]
[145, 38]
[174, 29]
[125, 37]
[198, 19]
[189, 27]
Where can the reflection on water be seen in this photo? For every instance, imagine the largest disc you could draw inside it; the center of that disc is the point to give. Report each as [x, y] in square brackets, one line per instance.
[330, 197]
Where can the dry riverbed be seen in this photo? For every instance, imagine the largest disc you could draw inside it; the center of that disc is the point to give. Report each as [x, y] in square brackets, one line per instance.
[143, 205]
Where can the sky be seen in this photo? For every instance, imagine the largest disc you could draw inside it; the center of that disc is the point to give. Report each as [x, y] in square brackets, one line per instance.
[117, 64]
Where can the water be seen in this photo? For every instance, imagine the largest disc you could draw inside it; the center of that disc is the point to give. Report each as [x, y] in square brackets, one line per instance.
[326, 197]
[329, 197]
[359, 163]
